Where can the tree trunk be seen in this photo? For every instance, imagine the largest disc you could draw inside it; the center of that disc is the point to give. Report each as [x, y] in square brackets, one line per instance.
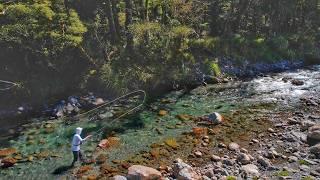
[112, 28]
[115, 12]
[127, 24]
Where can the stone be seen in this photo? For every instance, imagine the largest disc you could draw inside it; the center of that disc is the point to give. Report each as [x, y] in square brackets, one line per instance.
[8, 162]
[270, 130]
[100, 159]
[255, 140]
[243, 158]
[307, 124]
[250, 170]
[171, 142]
[264, 162]
[304, 168]
[118, 177]
[315, 149]
[143, 173]
[243, 150]
[199, 131]
[228, 162]
[184, 171]
[7, 152]
[233, 146]
[297, 82]
[162, 113]
[198, 153]
[211, 79]
[84, 169]
[214, 118]
[292, 121]
[183, 117]
[221, 145]
[292, 159]
[109, 142]
[215, 158]
[313, 136]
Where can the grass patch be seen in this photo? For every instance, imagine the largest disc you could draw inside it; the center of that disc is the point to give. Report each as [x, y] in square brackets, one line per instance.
[307, 178]
[303, 162]
[283, 173]
[231, 178]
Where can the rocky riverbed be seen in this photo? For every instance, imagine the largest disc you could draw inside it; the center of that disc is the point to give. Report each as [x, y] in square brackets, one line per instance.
[270, 130]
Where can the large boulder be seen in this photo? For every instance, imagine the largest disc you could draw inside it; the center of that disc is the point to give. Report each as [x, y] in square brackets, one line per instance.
[315, 149]
[250, 170]
[314, 134]
[183, 171]
[138, 172]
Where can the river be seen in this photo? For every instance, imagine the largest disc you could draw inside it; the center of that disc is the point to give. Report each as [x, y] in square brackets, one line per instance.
[247, 107]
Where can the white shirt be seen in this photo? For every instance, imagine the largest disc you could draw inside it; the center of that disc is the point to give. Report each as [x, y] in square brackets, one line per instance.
[76, 141]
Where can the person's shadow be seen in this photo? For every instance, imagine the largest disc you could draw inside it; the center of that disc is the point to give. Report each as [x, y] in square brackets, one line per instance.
[61, 170]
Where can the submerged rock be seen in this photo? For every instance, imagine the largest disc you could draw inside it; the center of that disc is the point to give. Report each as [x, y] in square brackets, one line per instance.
[7, 152]
[101, 159]
[143, 173]
[184, 117]
[297, 82]
[171, 142]
[8, 162]
[162, 113]
[109, 142]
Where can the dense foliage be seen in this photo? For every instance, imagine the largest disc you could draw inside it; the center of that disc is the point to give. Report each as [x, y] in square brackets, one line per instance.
[51, 46]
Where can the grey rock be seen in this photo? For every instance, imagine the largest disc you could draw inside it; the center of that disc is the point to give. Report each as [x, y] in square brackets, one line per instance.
[304, 168]
[118, 177]
[292, 159]
[233, 146]
[314, 134]
[215, 158]
[250, 170]
[264, 162]
[315, 149]
[228, 162]
[244, 158]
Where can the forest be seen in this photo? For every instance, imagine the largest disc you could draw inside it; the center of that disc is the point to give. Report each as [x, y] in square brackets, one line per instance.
[109, 46]
[160, 89]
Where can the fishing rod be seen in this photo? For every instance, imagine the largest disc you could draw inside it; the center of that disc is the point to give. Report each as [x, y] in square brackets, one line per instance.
[11, 85]
[98, 132]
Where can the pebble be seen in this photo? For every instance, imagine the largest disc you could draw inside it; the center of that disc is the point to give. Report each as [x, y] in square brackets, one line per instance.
[221, 145]
[198, 154]
[264, 162]
[244, 158]
[204, 144]
[243, 150]
[270, 130]
[304, 168]
[255, 140]
[233, 146]
[215, 158]
[292, 159]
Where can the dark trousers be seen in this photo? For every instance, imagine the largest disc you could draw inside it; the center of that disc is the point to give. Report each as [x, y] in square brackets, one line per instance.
[76, 155]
